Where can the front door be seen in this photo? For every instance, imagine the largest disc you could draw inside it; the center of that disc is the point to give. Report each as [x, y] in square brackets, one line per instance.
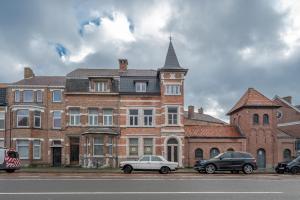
[56, 156]
[172, 150]
[261, 158]
[74, 150]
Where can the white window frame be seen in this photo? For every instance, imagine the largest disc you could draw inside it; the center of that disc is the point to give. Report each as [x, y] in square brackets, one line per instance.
[135, 145]
[2, 142]
[101, 86]
[76, 118]
[53, 96]
[28, 117]
[56, 117]
[34, 119]
[177, 116]
[2, 118]
[37, 146]
[39, 96]
[148, 117]
[110, 143]
[17, 96]
[107, 117]
[151, 146]
[93, 118]
[24, 96]
[135, 118]
[172, 89]
[18, 146]
[141, 86]
[98, 144]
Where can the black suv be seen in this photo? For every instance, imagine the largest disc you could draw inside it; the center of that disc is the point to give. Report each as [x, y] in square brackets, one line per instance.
[228, 161]
[290, 167]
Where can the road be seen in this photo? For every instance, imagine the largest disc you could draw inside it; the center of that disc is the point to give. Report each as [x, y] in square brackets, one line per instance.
[148, 186]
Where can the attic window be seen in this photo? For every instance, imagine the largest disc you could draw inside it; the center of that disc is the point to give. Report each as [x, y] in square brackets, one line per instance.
[101, 86]
[141, 86]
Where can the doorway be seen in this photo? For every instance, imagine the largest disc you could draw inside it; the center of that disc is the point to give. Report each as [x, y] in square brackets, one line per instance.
[56, 156]
[74, 150]
[172, 150]
[261, 158]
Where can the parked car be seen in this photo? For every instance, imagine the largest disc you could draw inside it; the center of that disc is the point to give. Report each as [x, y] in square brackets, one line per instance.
[9, 160]
[149, 163]
[290, 167]
[228, 161]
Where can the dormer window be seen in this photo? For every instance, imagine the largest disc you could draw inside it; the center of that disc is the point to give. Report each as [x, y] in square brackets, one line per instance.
[140, 86]
[101, 86]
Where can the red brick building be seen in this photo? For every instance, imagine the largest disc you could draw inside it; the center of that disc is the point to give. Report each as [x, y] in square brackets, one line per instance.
[99, 117]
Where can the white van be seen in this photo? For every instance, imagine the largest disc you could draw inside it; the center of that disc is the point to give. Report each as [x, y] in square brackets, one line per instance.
[9, 160]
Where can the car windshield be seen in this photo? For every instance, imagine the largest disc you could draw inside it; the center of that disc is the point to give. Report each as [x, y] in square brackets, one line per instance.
[297, 159]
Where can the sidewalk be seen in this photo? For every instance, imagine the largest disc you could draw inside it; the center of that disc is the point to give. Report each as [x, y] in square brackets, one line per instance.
[110, 170]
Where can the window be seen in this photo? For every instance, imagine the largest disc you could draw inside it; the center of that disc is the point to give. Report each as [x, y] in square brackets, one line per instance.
[22, 118]
[110, 145]
[28, 96]
[140, 86]
[230, 149]
[39, 96]
[22, 147]
[2, 120]
[17, 96]
[74, 116]
[107, 117]
[36, 149]
[2, 143]
[37, 119]
[148, 117]
[98, 146]
[145, 159]
[266, 119]
[199, 154]
[227, 155]
[297, 145]
[287, 155]
[56, 119]
[133, 146]
[172, 115]
[255, 119]
[93, 117]
[172, 90]
[133, 117]
[101, 86]
[214, 152]
[148, 146]
[56, 96]
[156, 158]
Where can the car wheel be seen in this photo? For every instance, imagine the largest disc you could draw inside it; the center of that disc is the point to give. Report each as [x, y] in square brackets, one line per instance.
[248, 169]
[210, 169]
[10, 170]
[164, 170]
[127, 169]
[295, 170]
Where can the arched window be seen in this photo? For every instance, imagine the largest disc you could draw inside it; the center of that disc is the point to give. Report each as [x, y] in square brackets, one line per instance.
[287, 155]
[230, 149]
[199, 154]
[214, 152]
[266, 119]
[255, 119]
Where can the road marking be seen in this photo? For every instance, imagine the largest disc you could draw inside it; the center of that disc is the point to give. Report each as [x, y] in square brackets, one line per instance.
[71, 176]
[124, 193]
[29, 176]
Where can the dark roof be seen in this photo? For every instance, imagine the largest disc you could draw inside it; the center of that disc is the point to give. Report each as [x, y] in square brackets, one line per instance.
[225, 131]
[43, 80]
[204, 117]
[86, 73]
[127, 85]
[3, 97]
[253, 98]
[171, 61]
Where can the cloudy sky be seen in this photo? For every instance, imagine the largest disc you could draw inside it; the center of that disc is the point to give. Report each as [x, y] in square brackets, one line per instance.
[227, 45]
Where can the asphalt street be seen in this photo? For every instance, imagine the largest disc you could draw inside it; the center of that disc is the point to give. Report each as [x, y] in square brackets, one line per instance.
[150, 186]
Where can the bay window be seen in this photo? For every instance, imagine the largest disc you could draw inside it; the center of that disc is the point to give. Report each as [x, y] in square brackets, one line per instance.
[37, 119]
[36, 145]
[98, 149]
[23, 118]
[22, 147]
[2, 120]
[110, 145]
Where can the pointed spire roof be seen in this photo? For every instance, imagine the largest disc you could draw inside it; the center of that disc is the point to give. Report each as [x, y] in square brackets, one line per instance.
[171, 62]
[252, 98]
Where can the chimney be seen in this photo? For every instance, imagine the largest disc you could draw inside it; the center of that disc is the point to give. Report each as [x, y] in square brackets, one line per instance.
[28, 73]
[200, 110]
[288, 99]
[123, 65]
[191, 112]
